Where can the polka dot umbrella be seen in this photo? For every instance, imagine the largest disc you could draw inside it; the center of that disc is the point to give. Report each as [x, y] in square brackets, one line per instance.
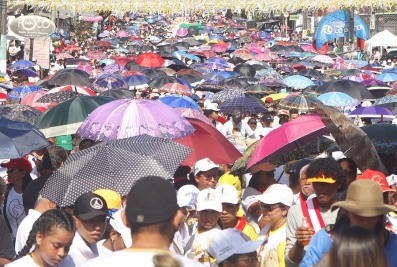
[114, 165]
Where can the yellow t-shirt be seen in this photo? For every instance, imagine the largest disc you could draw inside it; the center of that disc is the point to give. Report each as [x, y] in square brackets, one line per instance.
[277, 240]
[228, 178]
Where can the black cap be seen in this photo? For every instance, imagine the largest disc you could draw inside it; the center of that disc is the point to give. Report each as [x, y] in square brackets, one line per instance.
[151, 200]
[89, 206]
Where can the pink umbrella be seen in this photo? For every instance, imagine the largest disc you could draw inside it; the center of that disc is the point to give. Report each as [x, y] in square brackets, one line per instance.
[31, 100]
[218, 48]
[176, 88]
[96, 54]
[85, 67]
[263, 57]
[324, 59]
[308, 48]
[182, 32]
[194, 114]
[287, 137]
[64, 56]
[122, 34]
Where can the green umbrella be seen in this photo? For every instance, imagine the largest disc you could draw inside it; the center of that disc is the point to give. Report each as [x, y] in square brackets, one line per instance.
[66, 117]
[241, 162]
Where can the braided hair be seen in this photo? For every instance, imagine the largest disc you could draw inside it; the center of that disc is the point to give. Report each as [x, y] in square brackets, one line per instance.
[45, 225]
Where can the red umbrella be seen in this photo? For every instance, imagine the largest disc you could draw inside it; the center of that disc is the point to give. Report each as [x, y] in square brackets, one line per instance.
[78, 89]
[73, 48]
[103, 44]
[287, 137]
[150, 60]
[208, 142]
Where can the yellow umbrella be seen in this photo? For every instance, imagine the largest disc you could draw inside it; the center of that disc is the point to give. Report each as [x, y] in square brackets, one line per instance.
[275, 97]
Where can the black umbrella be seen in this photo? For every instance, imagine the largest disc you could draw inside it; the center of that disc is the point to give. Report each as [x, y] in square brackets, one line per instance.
[192, 41]
[193, 31]
[294, 48]
[234, 83]
[277, 48]
[311, 73]
[245, 70]
[383, 136]
[132, 65]
[162, 80]
[136, 48]
[191, 78]
[178, 67]
[236, 60]
[118, 93]
[57, 97]
[153, 73]
[114, 165]
[70, 77]
[354, 89]
[18, 139]
[18, 112]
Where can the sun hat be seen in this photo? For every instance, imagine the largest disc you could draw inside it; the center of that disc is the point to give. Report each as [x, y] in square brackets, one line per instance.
[89, 206]
[22, 163]
[322, 179]
[229, 242]
[265, 166]
[187, 196]
[151, 200]
[209, 199]
[65, 141]
[212, 106]
[117, 223]
[277, 193]
[364, 198]
[228, 193]
[377, 177]
[204, 165]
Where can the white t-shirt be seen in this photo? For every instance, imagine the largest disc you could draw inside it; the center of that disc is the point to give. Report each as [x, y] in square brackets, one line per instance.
[101, 249]
[136, 257]
[196, 248]
[24, 229]
[14, 211]
[25, 261]
[79, 253]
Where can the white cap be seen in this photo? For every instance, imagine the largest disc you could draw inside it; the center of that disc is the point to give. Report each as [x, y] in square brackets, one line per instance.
[228, 193]
[250, 196]
[209, 199]
[204, 165]
[187, 196]
[391, 179]
[277, 193]
[212, 106]
[231, 241]
[117, 223]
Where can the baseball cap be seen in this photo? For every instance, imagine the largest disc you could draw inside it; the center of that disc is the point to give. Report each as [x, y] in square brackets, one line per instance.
[323, 179]
[65, 141]
[89, 206]
[377, 177]
[22, 163]
[209, 199]
[112, 198]
[250, 196]
[117, 223]
[277, 193]
[204, 165]
[152, 199]
[187, 195]
[267, 117]
[212, 106]
[228, 193]
[231, 241]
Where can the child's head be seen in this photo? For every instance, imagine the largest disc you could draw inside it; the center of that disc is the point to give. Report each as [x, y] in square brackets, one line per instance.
[52, 234]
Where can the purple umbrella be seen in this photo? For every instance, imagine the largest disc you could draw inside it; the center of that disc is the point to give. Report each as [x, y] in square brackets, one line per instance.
[112, 68]
[129, 117]
[372, 112]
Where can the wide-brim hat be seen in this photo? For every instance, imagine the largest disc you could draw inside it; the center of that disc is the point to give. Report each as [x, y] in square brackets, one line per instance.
[364, 198]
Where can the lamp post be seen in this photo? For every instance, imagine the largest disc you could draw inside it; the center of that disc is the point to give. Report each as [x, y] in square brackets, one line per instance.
[3, 35]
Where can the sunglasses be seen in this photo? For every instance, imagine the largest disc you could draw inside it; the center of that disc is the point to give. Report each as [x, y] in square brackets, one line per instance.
[268, 208]
[209, 177]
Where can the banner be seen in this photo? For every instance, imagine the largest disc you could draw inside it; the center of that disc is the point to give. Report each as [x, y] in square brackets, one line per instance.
[336, 25]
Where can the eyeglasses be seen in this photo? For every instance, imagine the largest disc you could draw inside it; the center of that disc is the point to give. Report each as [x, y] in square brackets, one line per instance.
[209, 177]
[269, 208]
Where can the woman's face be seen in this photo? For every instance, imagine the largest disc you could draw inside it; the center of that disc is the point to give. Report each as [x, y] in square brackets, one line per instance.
[207, 179]
[207, 219]
[252, 124]
[273, 213]
[14, 175]
[368, 223]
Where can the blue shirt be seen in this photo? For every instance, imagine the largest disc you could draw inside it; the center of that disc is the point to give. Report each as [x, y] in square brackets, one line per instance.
[321, 243]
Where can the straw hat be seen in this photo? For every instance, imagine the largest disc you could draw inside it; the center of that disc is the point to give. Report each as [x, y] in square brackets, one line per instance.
[364, 198]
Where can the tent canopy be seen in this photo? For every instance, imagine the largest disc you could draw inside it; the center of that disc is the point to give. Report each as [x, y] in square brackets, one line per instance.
[382, 39]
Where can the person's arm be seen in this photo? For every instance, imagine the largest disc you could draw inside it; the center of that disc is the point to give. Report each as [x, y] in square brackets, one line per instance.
[7, 252]
[317, 248]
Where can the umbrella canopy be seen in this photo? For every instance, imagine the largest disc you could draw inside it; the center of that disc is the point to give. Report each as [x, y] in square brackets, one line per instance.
[371, 112]
[111, 81]
[287, 137]
[21, 113]
[259, 90]
[298, 82]
[18, 139]
[179, 102]
[114, 165]
[311, 73]
[245, 70]
[176, 88]
[118, 93]
[246, 105]
[70, 77]
[338, 99]
[57, 97]
[19, 92]
[78, 89]
[136, 81]
[389, 100]
[31, 98]
[383, 136]
[22, 64]
[127, 117]
[208, 142]
[150, 60]
[66, 117]
[227, 94]
[302, 103]
[193, 114]
[354, 89]
[387, 77]
[163, 80]
[276, 97]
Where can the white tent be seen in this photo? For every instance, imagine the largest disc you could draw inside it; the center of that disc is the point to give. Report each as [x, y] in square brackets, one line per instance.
[381, 39]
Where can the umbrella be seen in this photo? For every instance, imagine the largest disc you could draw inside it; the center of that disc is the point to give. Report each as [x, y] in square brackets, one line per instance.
[150, 60]
[354, 89]
[110, 81]
[153, 73]
[389, 100]
[107, 61]
[127, 117]
[259, 90]
[323, 59]
[18, 112]
[57, 97]
[276, 97]
[22, 64]
[387, 77]
[70, 77]
[20, 91]
[193, 114]
[18, 139]
[302, 103]
[25, 72]
[176, 88]
[310, 73]
[245, 70]
[287, 137]
[114, 165]
[371, 112]
[136, 81]
[78, 89]
[241, 162]
[298, 82]
[66, 117]
[31, 98]
[245, 105]
[227, 94]
[208, 142]
[64, 56]
[179, 102]
[163, 80]
[383, 136]
[338, 99]
[118, 93]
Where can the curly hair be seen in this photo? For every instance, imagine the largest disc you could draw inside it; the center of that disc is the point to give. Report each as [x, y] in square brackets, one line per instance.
[45, 225]
[327, 167]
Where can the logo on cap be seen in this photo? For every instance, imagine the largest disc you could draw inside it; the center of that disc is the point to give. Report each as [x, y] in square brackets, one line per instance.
[96, 203]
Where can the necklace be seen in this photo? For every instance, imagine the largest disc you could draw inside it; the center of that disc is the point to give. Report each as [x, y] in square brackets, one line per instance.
[31, 255]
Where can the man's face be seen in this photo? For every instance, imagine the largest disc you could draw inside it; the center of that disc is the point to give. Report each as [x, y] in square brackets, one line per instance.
[326, 193]
[214, 115]
[91, 230]
[229, 212]
[207, 219]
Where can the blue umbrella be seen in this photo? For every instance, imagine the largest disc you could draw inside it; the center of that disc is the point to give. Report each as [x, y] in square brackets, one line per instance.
[26, 72]
[107, 61]
[217, 60]
[392, 70]
[110, 81]
[338, 99]
[213, 78]
[18, 139]
[246, 105]
[298, 82]
[18, 92]
[179, 102]
[22, 64]
[227, 74]
[387, 77]
[181, 54]
[136, 80]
